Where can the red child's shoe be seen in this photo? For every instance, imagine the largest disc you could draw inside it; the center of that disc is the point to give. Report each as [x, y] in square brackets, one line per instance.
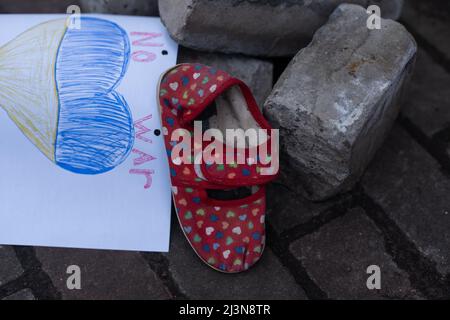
[229, 235]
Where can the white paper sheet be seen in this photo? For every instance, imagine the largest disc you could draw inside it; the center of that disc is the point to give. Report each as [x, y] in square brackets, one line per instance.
[44, 200]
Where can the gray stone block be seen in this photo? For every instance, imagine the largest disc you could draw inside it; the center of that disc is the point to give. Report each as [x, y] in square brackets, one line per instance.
[125, 7]
[428, 96]
[410, 187]
[337, 100]
[338, 254]
[10, 267]
[430, 19]
[268, 279]
[24, 294]
[256, 73]
[105, 275]
[33, 6]
[261, 28]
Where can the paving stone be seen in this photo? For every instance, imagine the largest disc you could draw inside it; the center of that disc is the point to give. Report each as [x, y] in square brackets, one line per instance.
[428, 97]
[104, 274]
[287, 209]
[430, 19]
[256, 73]
[33, 6]
[25, 294]
[261, 28]
[268, 279]
[337, 100]
[10, 267]
[410, 187]
[338, 254]
[125, 7]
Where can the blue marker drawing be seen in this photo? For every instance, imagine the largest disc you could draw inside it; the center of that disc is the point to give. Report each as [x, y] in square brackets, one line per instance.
[58, 86]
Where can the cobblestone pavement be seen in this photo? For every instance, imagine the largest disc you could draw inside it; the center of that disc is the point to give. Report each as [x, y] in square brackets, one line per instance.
[397, 217]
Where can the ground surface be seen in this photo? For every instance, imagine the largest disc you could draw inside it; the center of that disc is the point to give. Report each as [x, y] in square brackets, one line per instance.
[397, 217]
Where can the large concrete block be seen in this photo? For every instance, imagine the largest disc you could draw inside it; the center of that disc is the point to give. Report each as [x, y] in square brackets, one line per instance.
[127, 7]
[338, 98]
[262, 28]
[33, 6]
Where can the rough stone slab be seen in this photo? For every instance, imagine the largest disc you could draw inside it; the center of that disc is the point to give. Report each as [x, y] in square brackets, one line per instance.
[125, 7]
[10, 267]
[25, 294]
[261, 28]
[286, 209]
[338, 254]
[338, 98]
[408, 184]
[268, 279]
[430, 19]
[104, 274]
[428, 96]
[33, 6]
[256, 73]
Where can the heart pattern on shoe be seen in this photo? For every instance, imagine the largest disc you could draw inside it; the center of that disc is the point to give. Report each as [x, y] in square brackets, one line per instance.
[229, 240]
[227, 235]
[186, 88]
